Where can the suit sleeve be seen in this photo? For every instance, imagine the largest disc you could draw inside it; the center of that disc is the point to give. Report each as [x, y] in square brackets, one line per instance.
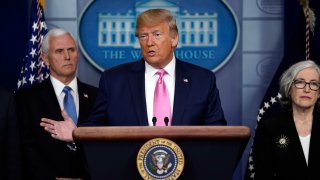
[263, 154]
[214, 115]
[98, 116]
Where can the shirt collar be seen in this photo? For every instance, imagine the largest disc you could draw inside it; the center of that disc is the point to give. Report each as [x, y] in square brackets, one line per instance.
[58, 85]
[170, 68]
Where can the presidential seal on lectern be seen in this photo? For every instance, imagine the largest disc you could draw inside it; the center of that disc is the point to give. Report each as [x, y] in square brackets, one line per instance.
[160, 158]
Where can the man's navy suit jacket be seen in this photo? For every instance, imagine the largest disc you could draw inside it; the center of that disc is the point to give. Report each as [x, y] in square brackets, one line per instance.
[121, 97]
[43, 156]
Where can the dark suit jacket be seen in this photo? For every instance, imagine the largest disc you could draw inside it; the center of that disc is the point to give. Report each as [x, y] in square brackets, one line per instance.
[121, 97]
[43, 156]
[275, 161]
[10, 162]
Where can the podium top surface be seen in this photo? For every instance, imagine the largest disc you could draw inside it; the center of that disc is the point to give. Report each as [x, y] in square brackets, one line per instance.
[125, 133]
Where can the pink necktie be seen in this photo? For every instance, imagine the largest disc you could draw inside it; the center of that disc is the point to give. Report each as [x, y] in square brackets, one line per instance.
[161, 101]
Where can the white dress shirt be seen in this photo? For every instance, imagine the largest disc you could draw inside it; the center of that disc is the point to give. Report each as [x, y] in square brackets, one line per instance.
[150, 84]
[58, 87]
[305, 143]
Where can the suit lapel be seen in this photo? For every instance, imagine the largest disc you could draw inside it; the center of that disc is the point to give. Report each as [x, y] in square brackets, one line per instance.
[297, 151]
[83, 100]
[136, 81]
[182, 87]
[50, 100]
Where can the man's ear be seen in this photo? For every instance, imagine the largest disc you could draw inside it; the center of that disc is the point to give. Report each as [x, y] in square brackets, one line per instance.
[174, 40]
[45, 59]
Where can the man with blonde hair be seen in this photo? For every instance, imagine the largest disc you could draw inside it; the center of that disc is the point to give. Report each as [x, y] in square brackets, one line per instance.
[159, 89]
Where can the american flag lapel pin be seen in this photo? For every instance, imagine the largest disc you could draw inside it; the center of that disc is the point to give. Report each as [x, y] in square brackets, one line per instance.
[186, 80]
[85, 95]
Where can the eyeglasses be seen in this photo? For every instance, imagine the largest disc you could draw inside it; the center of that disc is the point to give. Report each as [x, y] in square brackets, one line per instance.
[300, 84]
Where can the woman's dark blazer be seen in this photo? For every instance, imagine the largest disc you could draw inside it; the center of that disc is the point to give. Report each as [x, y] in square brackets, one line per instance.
[277, 151]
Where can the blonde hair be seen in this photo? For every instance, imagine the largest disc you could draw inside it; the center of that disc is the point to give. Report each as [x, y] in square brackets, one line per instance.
[155, 16]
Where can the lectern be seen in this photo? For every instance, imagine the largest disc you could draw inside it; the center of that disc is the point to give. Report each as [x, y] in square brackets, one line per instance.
[210, 152]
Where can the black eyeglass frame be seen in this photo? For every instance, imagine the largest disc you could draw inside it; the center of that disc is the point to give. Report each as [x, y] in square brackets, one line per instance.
[305, 83]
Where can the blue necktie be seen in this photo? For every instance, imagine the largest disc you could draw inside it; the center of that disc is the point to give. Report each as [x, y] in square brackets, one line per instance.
[69, 105]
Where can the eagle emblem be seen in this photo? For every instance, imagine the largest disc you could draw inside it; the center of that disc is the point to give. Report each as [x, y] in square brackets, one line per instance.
[160, 161]
[160, 158]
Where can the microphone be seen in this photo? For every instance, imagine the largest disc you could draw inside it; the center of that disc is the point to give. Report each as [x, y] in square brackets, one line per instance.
[154, 120]
[166, 121]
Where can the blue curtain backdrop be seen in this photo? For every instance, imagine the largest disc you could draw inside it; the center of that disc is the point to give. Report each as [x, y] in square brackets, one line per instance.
[14, 15]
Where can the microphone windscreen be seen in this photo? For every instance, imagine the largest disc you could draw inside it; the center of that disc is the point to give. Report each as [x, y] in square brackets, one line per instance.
[154, 120]
[166, 121]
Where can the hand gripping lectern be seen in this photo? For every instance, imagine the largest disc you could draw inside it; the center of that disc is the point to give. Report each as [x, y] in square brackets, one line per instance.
[210, 152]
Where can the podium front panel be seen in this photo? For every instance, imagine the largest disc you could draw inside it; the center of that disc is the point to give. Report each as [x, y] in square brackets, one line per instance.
[210, 152]
[203, 160]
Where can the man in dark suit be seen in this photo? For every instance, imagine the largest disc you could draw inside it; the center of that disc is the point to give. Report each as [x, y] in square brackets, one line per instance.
[46, 155]
[126, 95]
[10, 162]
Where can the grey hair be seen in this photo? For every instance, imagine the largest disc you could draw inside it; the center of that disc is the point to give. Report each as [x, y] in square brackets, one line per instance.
[52, 33]
[287, 79]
